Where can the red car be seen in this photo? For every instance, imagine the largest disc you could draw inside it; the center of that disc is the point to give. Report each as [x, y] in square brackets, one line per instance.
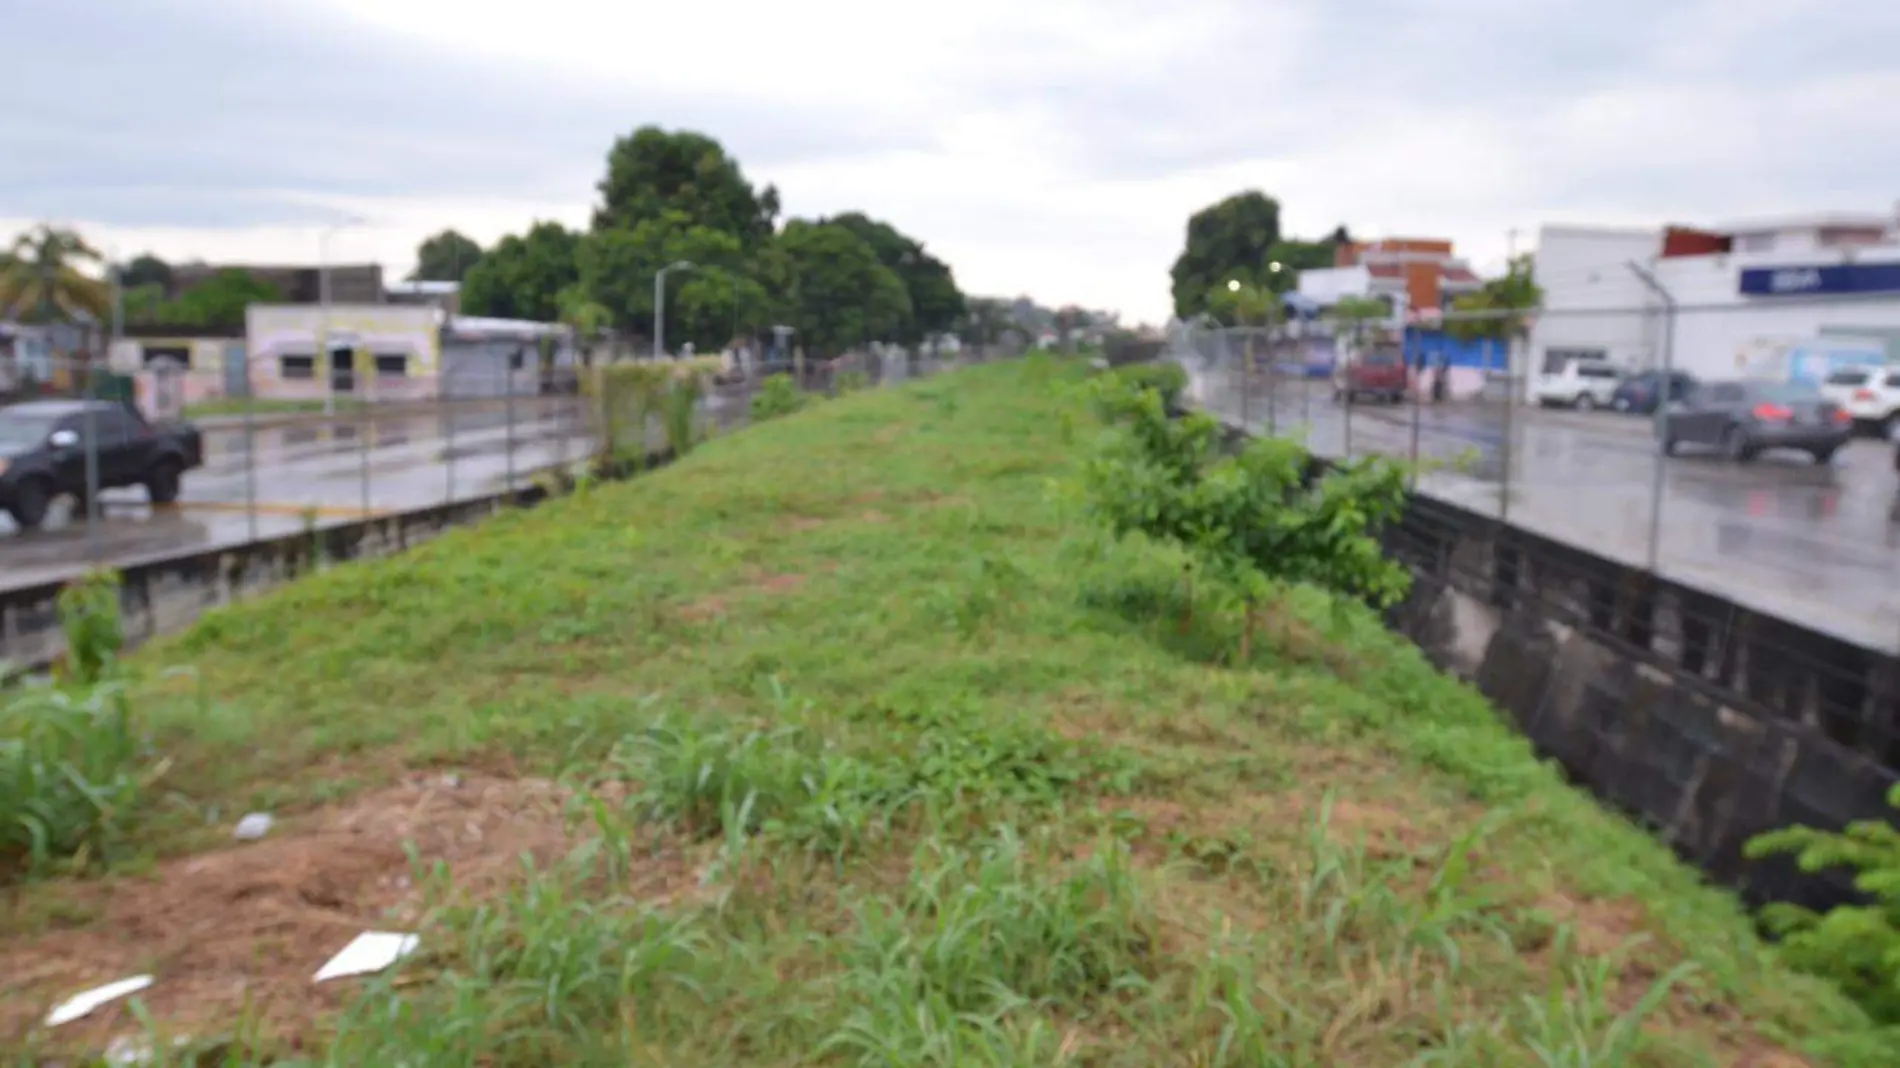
[1379, 374]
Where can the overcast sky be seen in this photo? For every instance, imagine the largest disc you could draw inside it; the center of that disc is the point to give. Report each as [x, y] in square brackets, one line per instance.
[1054, 147]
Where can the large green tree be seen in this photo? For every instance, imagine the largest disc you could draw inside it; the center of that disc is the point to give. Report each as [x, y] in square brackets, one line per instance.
[44, 278]
[841, 295]
[1227, 240]
[653, 171]
[523, 275]
[216, 303]
[445, 257]
[146, 270]
[1239, 239]
[1500, 310]
[936, 302]
[725, 292]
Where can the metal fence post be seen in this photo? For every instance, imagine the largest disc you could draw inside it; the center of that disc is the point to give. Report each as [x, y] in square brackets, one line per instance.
[1346, 406]
[446, 417]
[509, 406]
[1510, 431]
[1662, 408]
[365, 426]
[1418, 410]
[250, 450]
[1272, 371]
[92, 468]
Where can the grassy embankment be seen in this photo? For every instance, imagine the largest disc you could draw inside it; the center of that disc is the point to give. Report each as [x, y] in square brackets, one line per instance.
[845, 741]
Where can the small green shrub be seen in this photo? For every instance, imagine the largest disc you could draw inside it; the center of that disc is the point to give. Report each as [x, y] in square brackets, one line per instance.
[1247, 519]
[778, 395]
[851, 382]
[716, 784]
[74, 768]
[1170, 380]
[1856, 946]
[963, 968]
[90, 619]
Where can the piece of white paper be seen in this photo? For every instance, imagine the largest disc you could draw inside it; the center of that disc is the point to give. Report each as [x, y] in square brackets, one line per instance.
[81, 1004]
[252, 827]
[371, 951]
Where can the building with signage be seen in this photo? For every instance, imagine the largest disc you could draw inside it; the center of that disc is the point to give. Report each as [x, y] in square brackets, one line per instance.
[1785, 297]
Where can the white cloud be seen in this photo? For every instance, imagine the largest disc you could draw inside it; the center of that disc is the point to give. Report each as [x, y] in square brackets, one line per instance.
[1054, 148]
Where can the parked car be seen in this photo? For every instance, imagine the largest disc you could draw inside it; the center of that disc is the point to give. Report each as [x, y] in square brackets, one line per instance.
[43, 454]
[1745, 418]
[1577, 382]
[1379, 374]
[1870, 395]
[1641, 394]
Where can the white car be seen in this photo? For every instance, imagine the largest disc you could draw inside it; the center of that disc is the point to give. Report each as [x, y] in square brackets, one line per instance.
[1871, 395]
[1581, 383]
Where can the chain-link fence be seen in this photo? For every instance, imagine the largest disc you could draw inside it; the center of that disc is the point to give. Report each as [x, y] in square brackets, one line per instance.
[1714, 467]
[1669, 558]
[170, 463]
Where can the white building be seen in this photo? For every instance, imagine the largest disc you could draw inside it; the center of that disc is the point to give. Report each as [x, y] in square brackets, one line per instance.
[1418, 277]
[398, 352]
[1758, 298]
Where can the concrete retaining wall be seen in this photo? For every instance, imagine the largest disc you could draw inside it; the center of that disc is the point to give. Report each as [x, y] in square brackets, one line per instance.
[1710, 721]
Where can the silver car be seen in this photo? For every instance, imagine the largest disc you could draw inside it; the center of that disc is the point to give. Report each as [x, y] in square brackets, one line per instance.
[1743, 419]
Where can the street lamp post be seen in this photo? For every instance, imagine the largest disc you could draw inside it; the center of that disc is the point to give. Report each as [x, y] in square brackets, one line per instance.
[323, 300]
[659, 304]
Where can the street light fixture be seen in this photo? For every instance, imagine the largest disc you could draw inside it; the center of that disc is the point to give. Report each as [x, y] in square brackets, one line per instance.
[323, 299]
[659, 304]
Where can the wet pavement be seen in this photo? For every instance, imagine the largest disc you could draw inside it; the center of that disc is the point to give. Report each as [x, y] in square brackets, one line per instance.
[323, 472]
[1814, 544]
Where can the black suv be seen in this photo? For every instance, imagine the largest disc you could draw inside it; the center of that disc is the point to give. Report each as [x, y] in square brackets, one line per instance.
[43, 454]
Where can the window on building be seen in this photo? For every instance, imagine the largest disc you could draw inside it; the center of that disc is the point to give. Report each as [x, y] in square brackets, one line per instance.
[392, 365]
[518, 359]
[297, 367]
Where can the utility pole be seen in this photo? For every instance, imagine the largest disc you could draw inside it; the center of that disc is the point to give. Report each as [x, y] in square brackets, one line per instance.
[659, 304]
[325, 357]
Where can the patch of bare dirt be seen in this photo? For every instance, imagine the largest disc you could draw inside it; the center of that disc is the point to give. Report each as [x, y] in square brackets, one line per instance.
[238, 933]
[781, 583]
[714, 605]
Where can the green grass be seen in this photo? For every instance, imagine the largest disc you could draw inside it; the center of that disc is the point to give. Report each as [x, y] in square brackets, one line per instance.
[875, 754]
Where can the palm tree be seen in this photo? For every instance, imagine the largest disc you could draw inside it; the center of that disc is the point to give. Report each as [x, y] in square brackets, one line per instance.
[41, 281]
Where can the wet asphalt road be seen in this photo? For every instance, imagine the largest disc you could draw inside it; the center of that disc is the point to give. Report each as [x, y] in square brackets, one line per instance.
[337, 468]
[1817, 545]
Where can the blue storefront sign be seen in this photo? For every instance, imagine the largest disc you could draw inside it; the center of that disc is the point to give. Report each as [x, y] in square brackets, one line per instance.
[1841, 279]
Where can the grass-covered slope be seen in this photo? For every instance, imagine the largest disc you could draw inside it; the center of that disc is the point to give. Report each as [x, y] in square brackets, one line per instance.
[846, 741]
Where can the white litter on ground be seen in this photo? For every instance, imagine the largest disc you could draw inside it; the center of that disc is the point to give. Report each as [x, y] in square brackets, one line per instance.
[252, 827]
[371, 951]
[83, 1003]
